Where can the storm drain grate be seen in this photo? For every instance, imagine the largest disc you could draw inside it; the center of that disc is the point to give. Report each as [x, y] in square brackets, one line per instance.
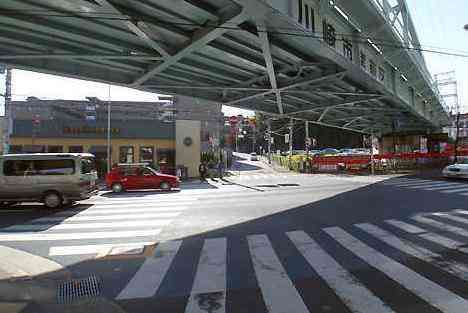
[78, 289]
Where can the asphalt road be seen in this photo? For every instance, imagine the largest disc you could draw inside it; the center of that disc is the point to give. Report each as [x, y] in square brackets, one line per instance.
[261, 241]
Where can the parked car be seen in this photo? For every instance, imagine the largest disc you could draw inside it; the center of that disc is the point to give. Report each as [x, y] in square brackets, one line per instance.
[328, 152]
[253, 157]
[138, 177]
[51, 178]
[458, 170]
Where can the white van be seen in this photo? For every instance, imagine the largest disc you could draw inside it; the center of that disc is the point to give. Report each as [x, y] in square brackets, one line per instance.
[51, 178]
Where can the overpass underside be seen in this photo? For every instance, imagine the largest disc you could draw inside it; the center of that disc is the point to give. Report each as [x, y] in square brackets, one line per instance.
[242, 53]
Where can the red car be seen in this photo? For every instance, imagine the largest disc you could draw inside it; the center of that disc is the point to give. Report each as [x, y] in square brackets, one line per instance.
[134, 177]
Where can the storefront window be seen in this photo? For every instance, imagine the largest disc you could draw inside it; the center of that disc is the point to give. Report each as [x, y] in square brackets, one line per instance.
[55, 149]
[75, 149]
[16, 149]
[147, 155]
[166, 161]
[34, 149]
[126, 155]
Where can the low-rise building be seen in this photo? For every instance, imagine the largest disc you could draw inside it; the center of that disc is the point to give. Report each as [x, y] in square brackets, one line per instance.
[151, 132]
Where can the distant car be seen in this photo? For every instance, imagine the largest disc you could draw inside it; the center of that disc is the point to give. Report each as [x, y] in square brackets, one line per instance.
[137, 177]
[328, 152]
[459, 169]
[253, 157]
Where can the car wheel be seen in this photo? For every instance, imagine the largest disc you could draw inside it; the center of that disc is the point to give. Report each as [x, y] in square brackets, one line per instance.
[165, 186]
[52, 200]
[117, 187]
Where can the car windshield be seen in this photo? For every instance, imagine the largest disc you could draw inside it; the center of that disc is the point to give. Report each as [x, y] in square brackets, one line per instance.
[234, 156]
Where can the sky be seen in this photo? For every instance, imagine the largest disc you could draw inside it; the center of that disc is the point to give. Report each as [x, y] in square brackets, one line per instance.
[439, 24]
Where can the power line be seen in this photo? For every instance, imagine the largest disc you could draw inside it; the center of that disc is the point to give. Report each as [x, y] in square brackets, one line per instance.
[298, 33]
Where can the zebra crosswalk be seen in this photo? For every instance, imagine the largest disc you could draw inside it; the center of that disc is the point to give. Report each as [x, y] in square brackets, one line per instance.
[97, 229]
[337, 257]
[444, 187]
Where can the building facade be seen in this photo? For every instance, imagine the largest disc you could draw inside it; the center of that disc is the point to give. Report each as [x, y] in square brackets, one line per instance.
[140, 131]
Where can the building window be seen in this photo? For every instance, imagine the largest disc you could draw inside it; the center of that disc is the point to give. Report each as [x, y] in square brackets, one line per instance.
[372, 68]
[312, 19]
[55, 149]
[348, 49]
[381, 74]
[126, 154]
[363, 60]
[329, 34]
[147, 155]
[300, 7]
[75, 149]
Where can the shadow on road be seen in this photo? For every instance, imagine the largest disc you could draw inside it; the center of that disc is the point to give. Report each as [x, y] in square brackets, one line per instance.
[370, 204]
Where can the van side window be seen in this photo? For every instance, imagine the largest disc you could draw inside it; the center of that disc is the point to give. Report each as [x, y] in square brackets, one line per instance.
[38, 167]
[18, 168]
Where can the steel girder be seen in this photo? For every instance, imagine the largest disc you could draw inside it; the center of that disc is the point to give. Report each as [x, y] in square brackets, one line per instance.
[224, 51]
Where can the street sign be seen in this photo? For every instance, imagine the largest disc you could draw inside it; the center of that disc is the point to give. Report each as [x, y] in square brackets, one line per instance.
[286, 138]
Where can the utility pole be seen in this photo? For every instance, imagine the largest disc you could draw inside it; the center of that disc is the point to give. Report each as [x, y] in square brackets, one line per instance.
[291, 126]
[109, 156]
[307, 143]
[269, 140]
[7, 122]
[372, 152]
[457, 136]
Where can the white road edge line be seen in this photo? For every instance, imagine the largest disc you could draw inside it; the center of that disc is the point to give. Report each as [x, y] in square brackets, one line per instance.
[78, 236]
[93, 249]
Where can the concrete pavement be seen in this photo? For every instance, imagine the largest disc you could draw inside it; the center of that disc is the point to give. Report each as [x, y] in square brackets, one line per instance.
[262, 242]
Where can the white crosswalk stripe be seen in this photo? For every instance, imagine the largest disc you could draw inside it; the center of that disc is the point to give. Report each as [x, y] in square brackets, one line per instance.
[346, 286]
[278, 289]
[445, 187]
[149, 276]
[427, 235]
[458, 269]
[104, 227]
[210, 279]
[442, 226]
[437, 296]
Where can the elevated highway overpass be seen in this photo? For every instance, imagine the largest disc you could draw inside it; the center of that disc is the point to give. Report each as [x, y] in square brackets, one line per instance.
[355, 65]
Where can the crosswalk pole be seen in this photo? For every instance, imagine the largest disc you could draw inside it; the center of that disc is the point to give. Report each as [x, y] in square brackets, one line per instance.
[269, 140]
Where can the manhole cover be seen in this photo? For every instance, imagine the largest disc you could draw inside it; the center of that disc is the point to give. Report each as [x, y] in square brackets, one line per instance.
[77, 289]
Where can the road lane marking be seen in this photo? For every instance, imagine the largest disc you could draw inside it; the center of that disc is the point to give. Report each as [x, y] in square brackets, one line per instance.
[443, 226]
[278, 291]
[51, 227]
[456, 190]
[427, 235]
[442, 187]
[427, 186]
[210, 278]
[93, 249]
[77, 236]
[452, 218]
[435, 295]
[91, 211]
[88, 217]
[458, 269]
[147, 280]
[355, 295]
[409, 228]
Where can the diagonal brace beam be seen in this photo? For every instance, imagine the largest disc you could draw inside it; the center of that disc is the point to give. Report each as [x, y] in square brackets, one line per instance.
[198, 40]
[134, 28]
[263, 34]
